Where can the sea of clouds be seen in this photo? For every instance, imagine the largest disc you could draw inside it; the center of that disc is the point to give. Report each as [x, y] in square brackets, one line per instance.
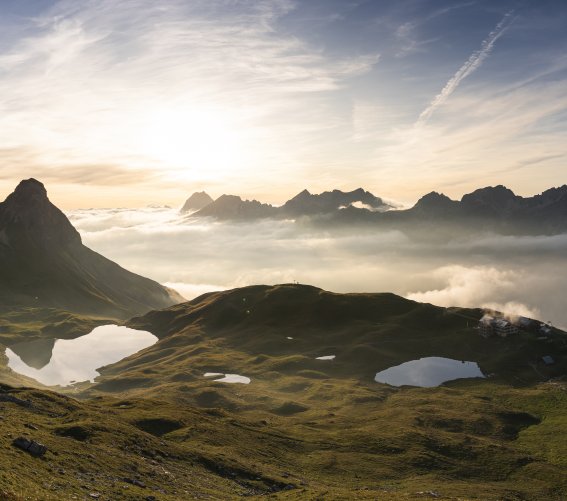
[519, 275]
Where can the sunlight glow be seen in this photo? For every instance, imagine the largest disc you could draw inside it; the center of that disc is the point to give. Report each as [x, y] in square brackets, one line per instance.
[193, 138]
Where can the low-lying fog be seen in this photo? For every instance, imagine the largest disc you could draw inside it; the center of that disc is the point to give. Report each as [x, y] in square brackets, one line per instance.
[524, 275]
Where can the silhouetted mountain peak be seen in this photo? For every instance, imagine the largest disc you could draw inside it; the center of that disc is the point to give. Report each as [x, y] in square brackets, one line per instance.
[434, 204]
[491, 195]
[27, 217]
[233, 207]
[496, 200]
[302, 195]
[228, 200]
[553, 195]
[433, 195]
[43, 262]
[29, 195]
[30, 189]
[327, 202]
[196, 201]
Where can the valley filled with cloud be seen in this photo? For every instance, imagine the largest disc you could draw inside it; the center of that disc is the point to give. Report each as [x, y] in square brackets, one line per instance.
[196, 255]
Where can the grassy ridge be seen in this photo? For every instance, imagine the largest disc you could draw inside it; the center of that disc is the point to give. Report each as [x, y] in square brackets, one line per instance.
[303, 428]
[467, 441]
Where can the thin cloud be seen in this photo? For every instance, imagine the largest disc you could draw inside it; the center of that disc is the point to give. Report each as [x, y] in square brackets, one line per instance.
[127, 83]
[470, 66]
[405, 33]
[486, 132]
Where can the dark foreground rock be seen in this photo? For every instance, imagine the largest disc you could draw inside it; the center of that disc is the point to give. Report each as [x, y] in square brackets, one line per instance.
[34, 448]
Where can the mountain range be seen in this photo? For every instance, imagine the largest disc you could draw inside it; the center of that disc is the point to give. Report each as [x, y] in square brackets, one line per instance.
[303, 204]
[307, 418]
[43, 263]
[494, 208]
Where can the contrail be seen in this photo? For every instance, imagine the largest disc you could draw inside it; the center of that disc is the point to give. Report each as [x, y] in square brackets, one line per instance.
[472, 63]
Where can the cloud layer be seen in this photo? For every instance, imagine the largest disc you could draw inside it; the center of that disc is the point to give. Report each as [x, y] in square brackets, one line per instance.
[517, 275]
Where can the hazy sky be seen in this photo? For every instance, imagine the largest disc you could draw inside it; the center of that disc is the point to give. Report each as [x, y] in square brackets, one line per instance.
[124, 103]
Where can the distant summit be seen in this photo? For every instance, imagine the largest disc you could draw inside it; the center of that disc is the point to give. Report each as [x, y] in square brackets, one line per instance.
[233, 207]
[492, 208]
[196, 202]
[304, 203]
[434, 203]
[44, 263]
[228, 207]
[491, 200]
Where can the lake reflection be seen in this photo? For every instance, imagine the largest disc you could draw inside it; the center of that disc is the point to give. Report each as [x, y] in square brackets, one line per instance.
[63, 361]
[428, 372]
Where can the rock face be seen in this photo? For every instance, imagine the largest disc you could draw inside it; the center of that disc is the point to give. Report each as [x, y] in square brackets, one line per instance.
[196, 202]
[44, 263]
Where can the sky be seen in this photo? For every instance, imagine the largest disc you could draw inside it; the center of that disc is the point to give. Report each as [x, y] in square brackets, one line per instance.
[123, 104]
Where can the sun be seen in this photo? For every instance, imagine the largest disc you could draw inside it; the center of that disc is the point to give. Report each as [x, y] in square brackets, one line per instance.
[193, 138]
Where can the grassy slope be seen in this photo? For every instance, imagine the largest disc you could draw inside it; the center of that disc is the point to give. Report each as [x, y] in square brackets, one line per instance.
[464, 442]
[326, 428]
[92, 449]
[27, 324]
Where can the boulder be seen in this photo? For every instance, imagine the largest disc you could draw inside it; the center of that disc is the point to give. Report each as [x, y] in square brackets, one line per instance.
[34, 448]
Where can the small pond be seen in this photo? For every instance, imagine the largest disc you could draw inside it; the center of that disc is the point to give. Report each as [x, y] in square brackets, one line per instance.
[65, 361]
[326, 357]
[228, 378]
[428, 372]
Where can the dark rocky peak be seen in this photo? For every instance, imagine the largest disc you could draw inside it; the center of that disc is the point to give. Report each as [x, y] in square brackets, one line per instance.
[44, 264]
[233, 207]
[27, 217]
[301, 204]
[29, 191]
[497, 197]
[306, 203]
[229, 201]
[29, 197]
[302, 195]
[360, 195]
[553, 195]
[196, 202]
[434, 200]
